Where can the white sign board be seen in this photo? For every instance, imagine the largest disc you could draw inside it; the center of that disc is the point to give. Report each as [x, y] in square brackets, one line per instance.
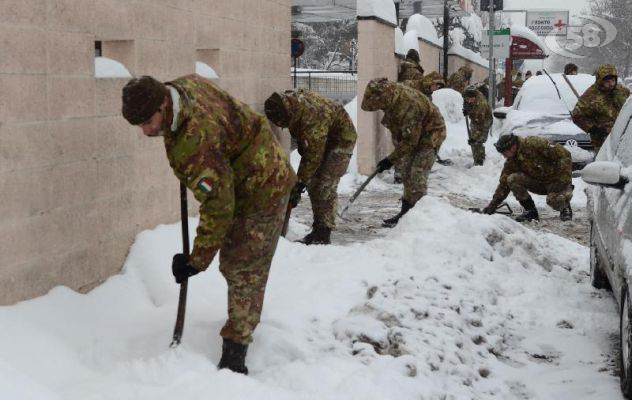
[502, 42]
[543, 22]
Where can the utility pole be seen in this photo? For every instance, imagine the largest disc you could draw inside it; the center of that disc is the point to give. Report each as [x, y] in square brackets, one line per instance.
[492, 72]
[446, 42]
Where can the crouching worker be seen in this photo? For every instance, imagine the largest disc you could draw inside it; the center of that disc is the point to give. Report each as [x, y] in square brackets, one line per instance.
[418, 131]
[326, 136]
[226, 154]
[537, 165]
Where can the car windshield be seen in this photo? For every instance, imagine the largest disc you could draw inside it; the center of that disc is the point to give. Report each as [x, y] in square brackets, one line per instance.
[538, 93]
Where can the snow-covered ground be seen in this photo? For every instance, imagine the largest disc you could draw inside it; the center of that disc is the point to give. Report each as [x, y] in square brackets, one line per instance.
[447, 305]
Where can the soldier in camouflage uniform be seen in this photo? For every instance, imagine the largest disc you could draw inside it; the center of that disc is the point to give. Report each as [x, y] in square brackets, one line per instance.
[418, 129]
[534, 164]
[518, 82]
[460, 79]
[410, 68]
[476, 108]
[598, 108]
[431, 82]
[226, 154]
[326, 136]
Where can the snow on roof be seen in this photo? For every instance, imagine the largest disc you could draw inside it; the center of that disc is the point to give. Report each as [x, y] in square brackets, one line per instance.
[411, 41]
[205, 71]
[457, 49]
[524, 32]
[400, 48]
[107, 68]
[383, 9]
[425, 29]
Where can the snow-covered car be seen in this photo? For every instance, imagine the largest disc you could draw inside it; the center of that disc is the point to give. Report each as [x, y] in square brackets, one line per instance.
[541, 109]
[610, 215]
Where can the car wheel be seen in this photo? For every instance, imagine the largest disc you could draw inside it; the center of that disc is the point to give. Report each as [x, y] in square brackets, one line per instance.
[598, 277]
[625, 331]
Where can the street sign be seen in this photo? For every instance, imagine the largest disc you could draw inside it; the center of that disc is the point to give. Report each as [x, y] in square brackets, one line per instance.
[298, 47]
[543, 22]
[502, 44]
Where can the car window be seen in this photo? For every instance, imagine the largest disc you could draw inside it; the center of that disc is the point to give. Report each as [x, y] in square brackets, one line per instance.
[622, 128]
[624, 147]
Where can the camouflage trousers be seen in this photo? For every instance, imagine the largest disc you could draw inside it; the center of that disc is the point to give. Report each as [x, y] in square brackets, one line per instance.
[323, 186]
[245, 259]
[477, 141]
[415, 170]
[558, 194]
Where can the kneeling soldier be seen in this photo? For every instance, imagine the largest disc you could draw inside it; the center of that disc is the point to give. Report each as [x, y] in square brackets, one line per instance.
[534, 164]
[326, 137]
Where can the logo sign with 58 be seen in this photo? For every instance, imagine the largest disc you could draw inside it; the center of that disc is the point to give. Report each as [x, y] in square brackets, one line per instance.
[595, 32]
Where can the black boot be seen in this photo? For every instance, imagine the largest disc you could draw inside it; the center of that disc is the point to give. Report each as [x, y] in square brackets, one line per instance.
[318, 235]
[234, 357]
[391, 222]
[530, 212]
[566, 214]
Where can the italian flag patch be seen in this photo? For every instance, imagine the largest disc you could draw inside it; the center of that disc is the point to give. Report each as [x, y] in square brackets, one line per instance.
[205, 185]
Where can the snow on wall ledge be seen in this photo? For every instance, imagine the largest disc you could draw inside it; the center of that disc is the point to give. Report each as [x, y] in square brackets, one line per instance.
[205, 71]
[425, 29]
[383, 9]
[458, 50]
[410, 40]
[107, 68]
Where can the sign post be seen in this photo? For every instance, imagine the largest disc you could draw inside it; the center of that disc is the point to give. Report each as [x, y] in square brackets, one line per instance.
[297, 49]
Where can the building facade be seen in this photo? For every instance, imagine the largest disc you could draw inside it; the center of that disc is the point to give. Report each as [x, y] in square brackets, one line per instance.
[78, 182]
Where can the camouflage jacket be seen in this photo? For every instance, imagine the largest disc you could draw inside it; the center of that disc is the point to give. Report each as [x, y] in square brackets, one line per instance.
[410, 70]
[319, 126]
[538, 158]
[479, 113]
[414, 122]
[432, 78]
[226, 154]
[598, 108]
[460, 79]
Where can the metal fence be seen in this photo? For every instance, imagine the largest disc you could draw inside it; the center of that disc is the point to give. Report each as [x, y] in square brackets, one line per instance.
[336, 85]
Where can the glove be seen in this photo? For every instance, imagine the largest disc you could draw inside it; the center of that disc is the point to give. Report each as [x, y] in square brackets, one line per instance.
[181, 269]
[489, 210]
[295, 195]
[384, 165]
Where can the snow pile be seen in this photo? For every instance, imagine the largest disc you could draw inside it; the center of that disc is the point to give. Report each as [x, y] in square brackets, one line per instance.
[474, 26]
[538, 94]
[411, 40]
[107, 68]
[383, 9]
[473, 307]
[458, 50]
[204, 70]
[450, 103]
[400, 47]
[424, 28]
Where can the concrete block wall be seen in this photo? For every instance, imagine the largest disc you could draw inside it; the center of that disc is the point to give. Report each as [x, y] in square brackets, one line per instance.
[479, 72]
[78, 183]
[430, 56]
[376, 58]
